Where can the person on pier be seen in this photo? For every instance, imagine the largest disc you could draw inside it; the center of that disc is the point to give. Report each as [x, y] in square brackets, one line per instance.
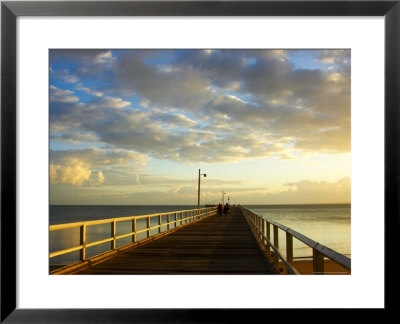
[226, 209]
[219, 209]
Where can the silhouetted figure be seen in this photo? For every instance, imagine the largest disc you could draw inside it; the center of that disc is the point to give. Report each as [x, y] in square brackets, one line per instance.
[220, 209]
[226, 209]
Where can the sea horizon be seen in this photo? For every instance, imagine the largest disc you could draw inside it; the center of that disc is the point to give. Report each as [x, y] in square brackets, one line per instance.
[260, 204]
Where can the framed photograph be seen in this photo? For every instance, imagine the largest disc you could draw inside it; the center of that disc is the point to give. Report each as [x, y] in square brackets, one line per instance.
[287, 108]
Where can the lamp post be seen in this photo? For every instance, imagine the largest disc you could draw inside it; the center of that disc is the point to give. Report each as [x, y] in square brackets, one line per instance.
[198, 189]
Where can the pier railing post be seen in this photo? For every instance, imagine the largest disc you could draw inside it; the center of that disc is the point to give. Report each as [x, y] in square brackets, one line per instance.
[318, 262]
[113, 233]
[159, 223]
[257, 223]
[276, 238]
[289, 248]
[169, 221]
[268, 236]
[148, 226]
[276, 243]
[134, 230]
[82, 254]
[263, 229]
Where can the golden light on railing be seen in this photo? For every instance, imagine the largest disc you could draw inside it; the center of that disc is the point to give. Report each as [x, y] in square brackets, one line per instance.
[180, 218]
[262, 227]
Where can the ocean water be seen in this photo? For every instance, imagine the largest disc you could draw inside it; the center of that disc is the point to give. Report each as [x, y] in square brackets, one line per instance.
[328, 224]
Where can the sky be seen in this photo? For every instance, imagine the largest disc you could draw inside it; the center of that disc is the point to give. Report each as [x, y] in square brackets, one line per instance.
[133, 127]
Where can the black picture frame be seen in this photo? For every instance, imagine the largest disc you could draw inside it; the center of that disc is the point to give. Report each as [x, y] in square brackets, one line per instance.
[10, 10]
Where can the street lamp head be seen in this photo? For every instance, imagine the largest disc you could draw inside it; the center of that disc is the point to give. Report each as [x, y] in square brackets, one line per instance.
[205, 175]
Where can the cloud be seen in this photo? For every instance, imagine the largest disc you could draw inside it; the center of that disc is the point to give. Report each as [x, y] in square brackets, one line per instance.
[98, 157]
[164, 190]
[88, 167]
[63, 75]
[300, 192]
[307, 191]
[90, 91]
[211, 106]
[178, 87]
[87, 65]
[174, 120]
[80, 56]
[98, 179]
[75, 173]
[109, 102]
[338, 56]
[59, 95]
[104, 58]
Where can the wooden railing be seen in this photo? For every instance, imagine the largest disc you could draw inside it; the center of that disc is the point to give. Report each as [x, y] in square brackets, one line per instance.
[262, 227]
[175, 220]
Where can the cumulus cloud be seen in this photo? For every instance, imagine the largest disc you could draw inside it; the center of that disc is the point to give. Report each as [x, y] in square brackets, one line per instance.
[80, 167]
[76, 173]
[98, 179]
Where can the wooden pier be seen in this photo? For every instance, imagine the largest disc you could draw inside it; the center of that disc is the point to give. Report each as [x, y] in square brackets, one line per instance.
[214, 245]
[196, 241]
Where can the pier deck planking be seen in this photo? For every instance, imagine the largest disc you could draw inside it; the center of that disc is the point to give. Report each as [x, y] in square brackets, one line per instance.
[216, 245]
